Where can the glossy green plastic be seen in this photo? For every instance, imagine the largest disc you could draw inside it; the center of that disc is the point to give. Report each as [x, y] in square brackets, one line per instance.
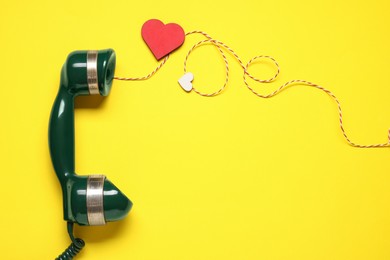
[61, 138]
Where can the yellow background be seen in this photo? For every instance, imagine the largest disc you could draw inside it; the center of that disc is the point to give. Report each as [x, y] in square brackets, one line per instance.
[229, 177]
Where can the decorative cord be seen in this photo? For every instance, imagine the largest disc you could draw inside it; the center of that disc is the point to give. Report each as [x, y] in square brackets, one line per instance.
[220, 45]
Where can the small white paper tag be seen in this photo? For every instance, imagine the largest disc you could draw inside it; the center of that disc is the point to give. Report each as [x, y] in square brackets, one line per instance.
[186, 81]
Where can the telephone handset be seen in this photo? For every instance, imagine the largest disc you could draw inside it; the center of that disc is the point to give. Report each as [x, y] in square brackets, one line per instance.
[93, 199]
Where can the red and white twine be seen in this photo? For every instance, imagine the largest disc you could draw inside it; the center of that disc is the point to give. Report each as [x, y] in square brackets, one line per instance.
[221, 47]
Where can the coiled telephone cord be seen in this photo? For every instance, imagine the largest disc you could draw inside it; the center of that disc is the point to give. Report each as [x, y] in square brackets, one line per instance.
[74, 248]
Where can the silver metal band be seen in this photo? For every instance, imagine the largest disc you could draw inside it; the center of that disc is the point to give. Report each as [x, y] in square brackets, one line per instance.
[95, 209]
[92, 75]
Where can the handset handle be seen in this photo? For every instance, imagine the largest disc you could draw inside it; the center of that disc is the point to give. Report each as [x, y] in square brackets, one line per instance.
[61, 134]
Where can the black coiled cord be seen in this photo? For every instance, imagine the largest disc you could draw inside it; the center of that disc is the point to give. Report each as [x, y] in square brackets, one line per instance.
[74, 248]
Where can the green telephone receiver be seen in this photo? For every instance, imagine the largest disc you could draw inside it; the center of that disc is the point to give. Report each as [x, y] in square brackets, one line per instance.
[93, 199]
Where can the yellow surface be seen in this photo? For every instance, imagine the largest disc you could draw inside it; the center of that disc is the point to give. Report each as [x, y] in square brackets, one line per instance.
[229, 177]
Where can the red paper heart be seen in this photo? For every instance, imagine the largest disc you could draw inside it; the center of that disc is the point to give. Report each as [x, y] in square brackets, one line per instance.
[162, 39]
